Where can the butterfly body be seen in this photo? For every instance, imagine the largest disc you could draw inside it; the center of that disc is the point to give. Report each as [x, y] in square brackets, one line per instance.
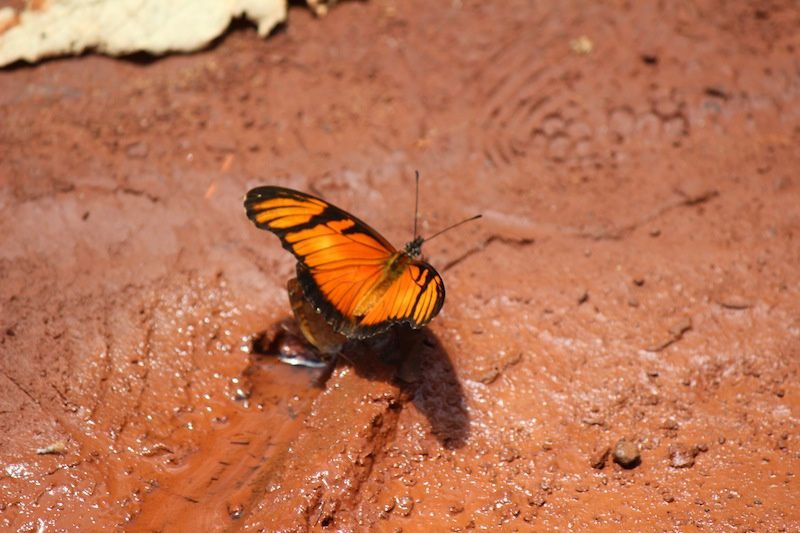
[351, 275]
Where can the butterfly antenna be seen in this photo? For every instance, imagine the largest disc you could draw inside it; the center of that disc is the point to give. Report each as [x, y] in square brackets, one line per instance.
[448, 228]
[416, 205]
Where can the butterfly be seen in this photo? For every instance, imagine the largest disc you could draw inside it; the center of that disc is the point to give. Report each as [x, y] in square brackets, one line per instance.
[348, 271]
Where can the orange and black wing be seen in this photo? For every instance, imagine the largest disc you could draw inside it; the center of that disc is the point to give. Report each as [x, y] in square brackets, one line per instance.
[414, 298]
[343, 264]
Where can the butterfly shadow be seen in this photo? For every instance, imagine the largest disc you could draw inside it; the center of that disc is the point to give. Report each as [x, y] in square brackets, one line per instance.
[413, 360]
[417, 362]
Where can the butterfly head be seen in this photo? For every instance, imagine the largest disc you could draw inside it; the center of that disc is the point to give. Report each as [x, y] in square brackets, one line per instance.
[414, 248]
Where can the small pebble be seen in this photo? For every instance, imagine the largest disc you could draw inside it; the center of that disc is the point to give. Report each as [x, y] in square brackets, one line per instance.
[626, 454]
[681, 326]
[137, 150]
[456, 508]
[387, 508]
[600, 457]
[734, 301]
[58, 448]
[509, 455]
[651, 399]
[583, 45]
[404, 505]
[594, 420]
[235, 511]
[670, 424]
[537, 500]
[682, 456]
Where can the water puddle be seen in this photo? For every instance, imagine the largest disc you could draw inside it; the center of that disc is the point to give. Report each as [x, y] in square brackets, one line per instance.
[212, 488]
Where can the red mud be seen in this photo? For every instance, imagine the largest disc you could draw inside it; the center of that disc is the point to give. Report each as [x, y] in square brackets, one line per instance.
[635, 274]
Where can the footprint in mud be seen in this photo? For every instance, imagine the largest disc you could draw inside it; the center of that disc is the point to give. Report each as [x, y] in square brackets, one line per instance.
[535, 105]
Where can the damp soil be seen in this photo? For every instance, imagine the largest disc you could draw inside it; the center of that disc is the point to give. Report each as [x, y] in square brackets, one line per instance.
[620, 344]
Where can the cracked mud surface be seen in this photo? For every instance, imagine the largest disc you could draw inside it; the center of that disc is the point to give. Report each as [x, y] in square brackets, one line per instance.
[634, 276]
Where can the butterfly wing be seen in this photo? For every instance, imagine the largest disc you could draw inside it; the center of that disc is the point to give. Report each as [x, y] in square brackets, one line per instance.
[414, 298]
[344, 254]
[287, 211]
[343, 265]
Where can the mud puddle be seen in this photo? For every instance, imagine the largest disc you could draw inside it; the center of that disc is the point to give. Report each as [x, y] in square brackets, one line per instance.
[230, 468]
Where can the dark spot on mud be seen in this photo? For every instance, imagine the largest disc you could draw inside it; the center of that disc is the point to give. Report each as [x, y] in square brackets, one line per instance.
[717, 92]
[650, 59]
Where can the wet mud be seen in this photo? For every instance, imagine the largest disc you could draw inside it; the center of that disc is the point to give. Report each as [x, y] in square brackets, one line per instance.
[620, 343]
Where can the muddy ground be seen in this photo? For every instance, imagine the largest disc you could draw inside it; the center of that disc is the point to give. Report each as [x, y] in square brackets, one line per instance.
[635, 275]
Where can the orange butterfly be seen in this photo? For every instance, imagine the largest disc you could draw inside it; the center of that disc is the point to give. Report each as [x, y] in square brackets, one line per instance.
[352, 275]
